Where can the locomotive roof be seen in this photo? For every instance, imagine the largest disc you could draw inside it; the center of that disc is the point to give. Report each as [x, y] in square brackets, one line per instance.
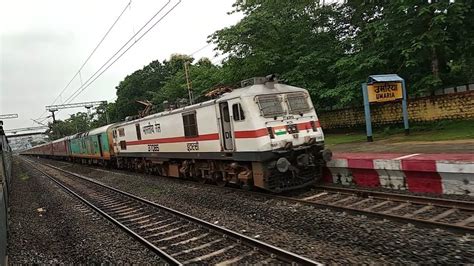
[259, 89]
[249, 91]
[99, 130]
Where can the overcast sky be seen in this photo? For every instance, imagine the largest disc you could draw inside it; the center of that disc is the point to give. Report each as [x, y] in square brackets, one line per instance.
[43, 44]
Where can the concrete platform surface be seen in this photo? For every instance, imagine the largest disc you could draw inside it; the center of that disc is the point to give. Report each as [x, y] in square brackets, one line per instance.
[392, 146]
[443, 173]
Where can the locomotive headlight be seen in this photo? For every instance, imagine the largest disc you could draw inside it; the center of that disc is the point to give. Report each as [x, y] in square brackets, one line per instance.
[283, 165]
[293, 128]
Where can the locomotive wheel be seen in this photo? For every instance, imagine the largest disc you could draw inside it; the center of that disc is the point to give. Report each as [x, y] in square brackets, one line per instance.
[219, 180]
[247, 185]
[221, 183]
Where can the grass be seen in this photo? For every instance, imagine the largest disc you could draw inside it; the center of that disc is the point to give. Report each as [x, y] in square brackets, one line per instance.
[435, 131]
[24, 176]
[153, 190]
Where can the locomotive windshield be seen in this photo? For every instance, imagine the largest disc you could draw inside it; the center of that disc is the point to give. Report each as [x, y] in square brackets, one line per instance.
[270, 105]
[297, 102]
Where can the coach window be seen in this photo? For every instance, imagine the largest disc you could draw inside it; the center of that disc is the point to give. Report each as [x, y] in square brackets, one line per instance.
[237, 112]
[190, 125]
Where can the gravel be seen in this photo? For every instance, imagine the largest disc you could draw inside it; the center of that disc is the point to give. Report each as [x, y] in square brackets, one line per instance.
[48, 225]
[324, 235]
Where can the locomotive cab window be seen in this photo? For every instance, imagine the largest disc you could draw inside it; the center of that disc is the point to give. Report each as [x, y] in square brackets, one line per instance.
[270, 105]
[121, 132]
[237, 112]
[190, 125]
[297, 102]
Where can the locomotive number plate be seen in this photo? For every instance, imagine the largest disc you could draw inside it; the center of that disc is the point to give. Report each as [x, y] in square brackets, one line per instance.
[193, 146]
[153, 147]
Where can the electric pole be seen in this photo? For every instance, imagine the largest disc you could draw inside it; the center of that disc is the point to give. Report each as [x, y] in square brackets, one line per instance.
[188, 82]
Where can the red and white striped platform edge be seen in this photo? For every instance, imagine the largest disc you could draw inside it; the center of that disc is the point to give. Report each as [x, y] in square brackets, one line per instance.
[426, 173]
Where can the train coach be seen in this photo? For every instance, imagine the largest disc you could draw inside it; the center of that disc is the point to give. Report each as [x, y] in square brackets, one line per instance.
[264, 134]
[92, 147]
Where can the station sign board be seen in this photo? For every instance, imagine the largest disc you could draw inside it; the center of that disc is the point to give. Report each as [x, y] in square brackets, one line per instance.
[384, 91]
[384, 88]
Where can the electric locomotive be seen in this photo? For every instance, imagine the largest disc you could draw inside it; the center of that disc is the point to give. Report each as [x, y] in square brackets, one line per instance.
[264, 134]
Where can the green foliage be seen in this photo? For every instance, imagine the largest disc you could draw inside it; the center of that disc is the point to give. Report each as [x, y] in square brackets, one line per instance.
[203, 75]
[76, 123]
[329, 50]
[429, 131]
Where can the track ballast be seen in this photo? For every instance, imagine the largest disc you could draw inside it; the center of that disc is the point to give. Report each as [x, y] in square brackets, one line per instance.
[177, 237]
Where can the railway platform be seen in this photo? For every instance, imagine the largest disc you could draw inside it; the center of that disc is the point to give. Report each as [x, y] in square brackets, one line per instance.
[394, 145]
[440, 173]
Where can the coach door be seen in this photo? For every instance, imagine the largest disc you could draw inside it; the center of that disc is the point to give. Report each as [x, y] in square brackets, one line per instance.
[226, 127]
[99, 141]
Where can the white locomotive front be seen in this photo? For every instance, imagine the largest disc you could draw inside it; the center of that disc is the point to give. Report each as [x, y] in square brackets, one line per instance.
[265, 134]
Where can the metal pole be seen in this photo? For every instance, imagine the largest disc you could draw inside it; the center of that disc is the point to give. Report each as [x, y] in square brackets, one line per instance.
[107, 116]
[54, 117]
[188, 82]
[405, 109]
[368, 121]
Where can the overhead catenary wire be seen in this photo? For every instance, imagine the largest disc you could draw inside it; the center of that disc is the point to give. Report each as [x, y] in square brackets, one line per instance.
[78, 72]
[95, 76]
[182, 74]
[200, 49]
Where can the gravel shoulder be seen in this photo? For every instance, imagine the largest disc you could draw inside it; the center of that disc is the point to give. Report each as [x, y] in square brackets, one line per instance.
[321, 234]
[48, 225]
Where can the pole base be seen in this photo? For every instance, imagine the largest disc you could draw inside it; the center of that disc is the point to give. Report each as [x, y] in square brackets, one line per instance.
[370, 139]
[407, 131]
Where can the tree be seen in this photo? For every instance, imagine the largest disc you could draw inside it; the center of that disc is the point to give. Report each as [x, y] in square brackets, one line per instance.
[203, 76]
[298, 40]
[330, 50]
[76, 123]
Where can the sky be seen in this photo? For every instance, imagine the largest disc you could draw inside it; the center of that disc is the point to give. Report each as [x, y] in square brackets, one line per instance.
[44, 43]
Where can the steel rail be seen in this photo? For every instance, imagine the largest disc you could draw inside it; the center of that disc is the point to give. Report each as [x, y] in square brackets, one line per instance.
[267, 248]
[465, 205]
[170, 260]
[400, 218]
[440, 202]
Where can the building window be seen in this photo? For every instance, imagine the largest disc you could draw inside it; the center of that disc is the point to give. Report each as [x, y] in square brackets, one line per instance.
[270, 105]
[121, 132]
[190, 125]
[297, 102]
[237, 112]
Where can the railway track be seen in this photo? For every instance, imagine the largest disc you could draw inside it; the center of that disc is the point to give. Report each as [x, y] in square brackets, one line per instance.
[176, 237]
[448, 214]
[454, 215]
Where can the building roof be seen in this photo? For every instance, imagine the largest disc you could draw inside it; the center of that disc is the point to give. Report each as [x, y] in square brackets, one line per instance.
[384, 78]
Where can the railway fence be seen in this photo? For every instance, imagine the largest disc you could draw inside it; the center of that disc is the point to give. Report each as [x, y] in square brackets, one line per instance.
[5, 182]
